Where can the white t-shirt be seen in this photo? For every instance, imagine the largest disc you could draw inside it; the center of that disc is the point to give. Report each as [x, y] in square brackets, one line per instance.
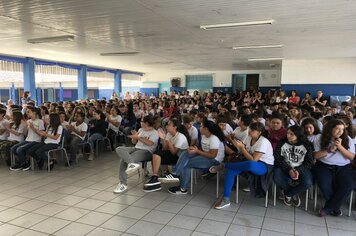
[19, 138]
[263, 146]
[55, 141]
[193, 133]
[334, 158]
[151, 135]
[179, 141]
[228, 130]
[213, 142]
[241, 135]
[65, 124]
[83, 127]
[312, 138]
[31, 135]
[117, 118]
[3, 124]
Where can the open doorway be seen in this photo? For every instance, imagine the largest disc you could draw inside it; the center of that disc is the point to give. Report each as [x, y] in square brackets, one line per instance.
[252, 82]
[243, 82]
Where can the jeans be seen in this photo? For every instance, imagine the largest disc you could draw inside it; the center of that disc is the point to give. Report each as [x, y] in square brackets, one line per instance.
[236, 168]
[335, 183]
[130, 155]
[39, 150]
[282, 179]
[74, 141]
[20, 150]
[92, 140]
[187, 161]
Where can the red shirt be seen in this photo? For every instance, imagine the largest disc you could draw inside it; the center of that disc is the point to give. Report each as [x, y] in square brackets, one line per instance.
[275, 136]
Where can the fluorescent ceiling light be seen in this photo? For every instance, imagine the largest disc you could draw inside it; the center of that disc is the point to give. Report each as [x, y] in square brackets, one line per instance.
[232, 25]
[158, 63]
[257, 46]
[267, 59]
[118, 53]
[52, 39]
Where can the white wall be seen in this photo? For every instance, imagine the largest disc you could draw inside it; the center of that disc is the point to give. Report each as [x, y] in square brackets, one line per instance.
[326, 71]
[268, 78]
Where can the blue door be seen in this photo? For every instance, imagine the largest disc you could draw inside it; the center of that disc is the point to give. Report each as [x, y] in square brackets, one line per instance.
[165, 86]
[239, 82]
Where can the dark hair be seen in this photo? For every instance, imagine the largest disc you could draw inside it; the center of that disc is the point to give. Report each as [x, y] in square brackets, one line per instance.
[26, 94]
[45, 109]
[214, 129]
[36, 110]
[3, 112]
[148, 120]
[221, 119]
[246, 119]
[17, 117]
[276, 115]
[299, 132]
[81, 114]
[54, 122]
[313, 122]
[187, 119]
[326, 134]
[258, 126]
[63, 113]
[181, 128]
[348, 125]
[99, 112]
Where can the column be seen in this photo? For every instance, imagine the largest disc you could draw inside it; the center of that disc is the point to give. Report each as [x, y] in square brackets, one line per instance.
[118, 82]
[29, 80]
[82, 82]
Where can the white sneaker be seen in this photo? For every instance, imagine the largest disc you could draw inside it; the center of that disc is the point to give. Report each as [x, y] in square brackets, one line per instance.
[132, 167]
[247, 189]
[91, 157]
[120, 188]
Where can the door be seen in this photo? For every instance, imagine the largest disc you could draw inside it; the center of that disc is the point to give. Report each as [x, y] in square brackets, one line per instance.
[164, 86]
[252, 82]
[238, 82]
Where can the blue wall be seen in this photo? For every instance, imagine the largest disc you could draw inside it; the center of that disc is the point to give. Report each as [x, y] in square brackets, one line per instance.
[328, 89]
[222, 89]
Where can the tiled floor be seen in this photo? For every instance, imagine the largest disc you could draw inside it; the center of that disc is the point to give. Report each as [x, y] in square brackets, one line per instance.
[79, 201]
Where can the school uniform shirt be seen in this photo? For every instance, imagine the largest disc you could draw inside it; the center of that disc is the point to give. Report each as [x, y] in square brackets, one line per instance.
[228, 130]
[334, 158]
[151, 135]
[31, 135]
[117, 118]
[179, 141]
[83, 127]
[297, 156]
[312, 138]
[193, 133]
[64, 124]
[54, 141]
[241, 134]
[18, 138]
[263, 146]
[3, 124]
[213, 142]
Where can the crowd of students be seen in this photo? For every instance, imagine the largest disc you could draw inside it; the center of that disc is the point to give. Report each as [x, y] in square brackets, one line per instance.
[291, 141]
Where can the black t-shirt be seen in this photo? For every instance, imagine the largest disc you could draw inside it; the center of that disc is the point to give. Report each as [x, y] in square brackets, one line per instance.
[321, 99]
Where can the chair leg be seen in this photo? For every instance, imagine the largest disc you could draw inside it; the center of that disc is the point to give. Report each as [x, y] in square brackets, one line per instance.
[191, 180]
[48, 159]
[237, 189]
[315, 197]
[274, 194]
[65, 153]
[350, 204]
[32, 164]
[266, 199]
[306, 200]
[217, 184]
[12, 158]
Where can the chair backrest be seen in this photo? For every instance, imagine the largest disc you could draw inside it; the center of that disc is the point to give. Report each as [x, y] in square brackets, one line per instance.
[63, 138]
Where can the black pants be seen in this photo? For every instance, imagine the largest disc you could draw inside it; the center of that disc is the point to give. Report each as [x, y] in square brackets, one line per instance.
[335, 182]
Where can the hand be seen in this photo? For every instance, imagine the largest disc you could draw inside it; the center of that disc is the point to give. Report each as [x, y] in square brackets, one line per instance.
[294, 174]
[43, 133]
[162, 134]
[338, 144]
[238, 144]
[193, 149]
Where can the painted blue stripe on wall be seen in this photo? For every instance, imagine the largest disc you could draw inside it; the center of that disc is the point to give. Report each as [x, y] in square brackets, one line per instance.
[328, 89]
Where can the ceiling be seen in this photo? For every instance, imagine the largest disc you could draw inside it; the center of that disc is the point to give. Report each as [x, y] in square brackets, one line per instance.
[167, 35]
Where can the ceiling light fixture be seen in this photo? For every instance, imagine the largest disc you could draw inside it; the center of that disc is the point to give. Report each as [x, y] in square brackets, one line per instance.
[118, 53]
[232, 25]
[52, 39]
[257, 46]
[266, 59]
[158, 63]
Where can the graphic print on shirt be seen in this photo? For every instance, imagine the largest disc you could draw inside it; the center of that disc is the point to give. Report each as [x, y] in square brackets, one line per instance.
[294, 154]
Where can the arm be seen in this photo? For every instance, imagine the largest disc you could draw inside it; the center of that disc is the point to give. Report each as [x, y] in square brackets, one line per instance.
[279, 160]
[211, 154]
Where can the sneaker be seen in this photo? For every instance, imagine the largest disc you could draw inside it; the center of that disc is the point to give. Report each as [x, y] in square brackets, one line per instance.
[169, 178]
[132, 167]
[51, 164]
[287, 200]
[120, 188]
[336, 213]
[40, 164]
[26, 166]
[16, 167]
[152, 188]
[177, 190]
[222, 203]
[281, 195]
[91, 157]
[152, 181]
[323, 212]
[296, 200]
[246, 189]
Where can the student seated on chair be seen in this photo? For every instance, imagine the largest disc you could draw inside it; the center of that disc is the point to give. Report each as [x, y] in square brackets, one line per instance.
[114, 120]
[257, 158]
[78, 130]
[97, 131]
[292, 164]
[146, 140]
[3, 124]
[174, 142]
[334, 151]
[35, 125]
[52, 138]
[212, 153]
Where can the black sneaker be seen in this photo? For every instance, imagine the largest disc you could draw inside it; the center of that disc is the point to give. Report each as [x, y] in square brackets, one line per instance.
[16, 167]
[169, 178]
[26, 166]
[296, 200]
[152, 188]
[177, 190]
[336, 213]
[152, 181]
[287, 200]
[51, 164]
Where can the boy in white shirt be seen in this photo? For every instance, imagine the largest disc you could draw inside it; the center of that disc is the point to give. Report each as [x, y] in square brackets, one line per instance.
[78, 131]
